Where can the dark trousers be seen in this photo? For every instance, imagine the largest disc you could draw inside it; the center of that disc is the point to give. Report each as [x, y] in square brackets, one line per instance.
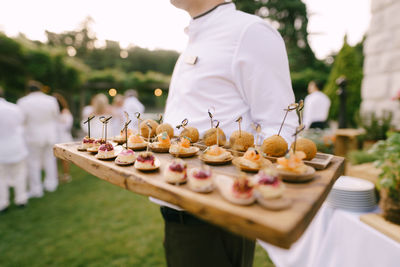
[191, 242]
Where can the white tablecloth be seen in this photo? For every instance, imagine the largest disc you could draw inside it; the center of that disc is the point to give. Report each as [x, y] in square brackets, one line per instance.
[337, 238]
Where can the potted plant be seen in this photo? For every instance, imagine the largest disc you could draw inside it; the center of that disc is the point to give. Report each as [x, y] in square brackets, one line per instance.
[375, 126]
[388, 155]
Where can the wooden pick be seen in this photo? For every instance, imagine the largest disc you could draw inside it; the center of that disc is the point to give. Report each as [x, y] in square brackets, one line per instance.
[148, 137]
[216, 127]
[289, 108]
[183, 124]
[298, 130]
[88, 122]
[239, 121]
[211, 117]
[257, 128]
[137, 115]
[160, 120]
[126, 133]
[299, 111]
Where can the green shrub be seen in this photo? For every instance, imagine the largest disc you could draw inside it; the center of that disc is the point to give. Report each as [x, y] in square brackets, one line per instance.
[376, 127]
[361, 156]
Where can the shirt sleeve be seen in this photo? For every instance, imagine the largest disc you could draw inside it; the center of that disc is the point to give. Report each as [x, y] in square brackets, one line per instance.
[261, 72]
[307, 112]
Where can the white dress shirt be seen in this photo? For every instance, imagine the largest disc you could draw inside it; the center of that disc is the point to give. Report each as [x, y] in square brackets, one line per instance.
[241, 70]
[316, 108]
[41, 115]
[13, 148]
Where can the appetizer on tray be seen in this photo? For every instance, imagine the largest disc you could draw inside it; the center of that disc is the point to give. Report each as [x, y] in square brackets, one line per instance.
[146, 161]
[126, 157]
[216, 155]
[269, 190]
[275, 146]
[96, 145]
[145, 130]
[106, 151]
[307, 146]
[201, 180]
[87, 142]
[291, 168]
[183, 148]
[136, 142]
[251, 161]
[120, 139]
[175, 173]
[238, 191]
[241, 140]
[163, 143]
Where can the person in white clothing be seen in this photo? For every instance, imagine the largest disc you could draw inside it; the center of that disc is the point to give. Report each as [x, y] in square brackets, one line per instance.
[118, 119]
[132, 104]
[316, 107]
[13, 154]
[64, 126]
[41, 115]
[235, 63]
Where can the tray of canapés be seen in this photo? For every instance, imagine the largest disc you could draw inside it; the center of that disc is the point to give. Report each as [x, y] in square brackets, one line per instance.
[271, 163]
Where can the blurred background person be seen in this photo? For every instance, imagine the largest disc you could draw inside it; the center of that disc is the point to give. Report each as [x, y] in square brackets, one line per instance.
[13, 154]
[118, 119]
[41, 115]
[101, 107]
[87, 110]
[64, 126]
[316, 107]
[132, 105]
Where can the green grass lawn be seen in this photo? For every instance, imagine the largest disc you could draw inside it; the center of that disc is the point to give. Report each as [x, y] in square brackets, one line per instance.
[87, 222]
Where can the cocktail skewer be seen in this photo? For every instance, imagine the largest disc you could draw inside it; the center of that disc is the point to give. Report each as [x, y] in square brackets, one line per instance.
[88, 122]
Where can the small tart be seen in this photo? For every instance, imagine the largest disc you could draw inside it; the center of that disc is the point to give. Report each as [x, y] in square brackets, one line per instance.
[146, 161]
[175, 173]
[216, 153]
[182, 148]
[163, 144]
[268, 185]
[201, 180]
[293, 162]
[127, 156]
[96, 145]
[239, 191]
[106, 151]
[251, 161]
[87, 142]
[136, 142]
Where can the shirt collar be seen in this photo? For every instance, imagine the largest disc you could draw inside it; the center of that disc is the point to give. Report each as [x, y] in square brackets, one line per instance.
[195, 24]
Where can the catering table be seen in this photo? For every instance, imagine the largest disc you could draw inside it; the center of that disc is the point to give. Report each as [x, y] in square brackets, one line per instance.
[335, 238]
[280, 228]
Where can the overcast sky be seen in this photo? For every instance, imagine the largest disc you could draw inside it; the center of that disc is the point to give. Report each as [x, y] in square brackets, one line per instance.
[157, 24]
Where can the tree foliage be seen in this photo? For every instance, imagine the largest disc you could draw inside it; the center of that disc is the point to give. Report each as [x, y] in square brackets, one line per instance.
[348, 63]
[291, 20]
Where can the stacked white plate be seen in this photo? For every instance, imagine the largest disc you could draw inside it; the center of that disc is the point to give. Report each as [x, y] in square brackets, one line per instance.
[353, 194]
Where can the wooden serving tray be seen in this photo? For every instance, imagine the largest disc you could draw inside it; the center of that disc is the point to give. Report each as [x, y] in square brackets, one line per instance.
[280, 228]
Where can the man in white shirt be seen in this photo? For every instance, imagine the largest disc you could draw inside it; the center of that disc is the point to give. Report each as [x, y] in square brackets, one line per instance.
[41, 113]
[236, 63]
[12, 154]
[316, 107]
[132, 104]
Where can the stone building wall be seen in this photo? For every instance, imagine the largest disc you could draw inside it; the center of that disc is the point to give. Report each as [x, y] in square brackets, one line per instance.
[382, 59]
